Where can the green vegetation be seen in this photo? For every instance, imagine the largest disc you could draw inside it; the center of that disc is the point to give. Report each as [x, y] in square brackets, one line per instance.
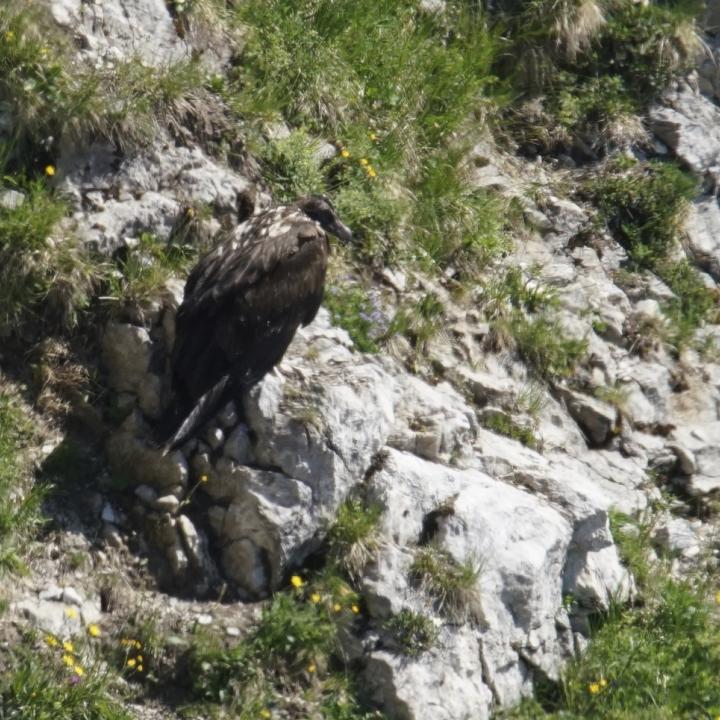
[659, 659]
[503, 424]
[290, 661]
[644, 205]
[333, 69]
[522, 314]
[353, 539]
[143, 270]
[410, 632]
[585, 68]
[59, 681]
[453, 585]
[19, 499]
[351, 307]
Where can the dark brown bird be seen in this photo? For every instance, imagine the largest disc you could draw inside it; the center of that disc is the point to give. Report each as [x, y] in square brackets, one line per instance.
[243, 302]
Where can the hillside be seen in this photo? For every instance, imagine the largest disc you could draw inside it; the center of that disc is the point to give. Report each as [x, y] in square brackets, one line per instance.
[483, 481]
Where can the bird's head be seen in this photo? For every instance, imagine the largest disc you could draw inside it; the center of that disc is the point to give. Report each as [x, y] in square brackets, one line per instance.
[320, 209]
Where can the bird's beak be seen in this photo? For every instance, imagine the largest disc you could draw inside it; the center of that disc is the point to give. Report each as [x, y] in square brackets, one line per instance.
[341, 231]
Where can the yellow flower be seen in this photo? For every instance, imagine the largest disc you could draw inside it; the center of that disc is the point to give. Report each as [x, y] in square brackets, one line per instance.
[315, 598]
[364, 161]
[68, 646]
[49, 170]
[337, 607]
[371, 172]
[717, 600]
[138, 644]
[355, 608]
[345, 153]
[139, 658]
[603, 682]
[93, 630]
[51, 640]
[203, 478]
[594, 688]
[139, 668]
[312, 668]
[265, 713]
[71, 613]
[373, 137]
[79, 670]
[296, 581]
[69, 660]
[131, 662]
[9, 35]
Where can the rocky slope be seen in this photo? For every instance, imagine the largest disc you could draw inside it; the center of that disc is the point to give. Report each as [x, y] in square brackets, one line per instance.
[249, 502]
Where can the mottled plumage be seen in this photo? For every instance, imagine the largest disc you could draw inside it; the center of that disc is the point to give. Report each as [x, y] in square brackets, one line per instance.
[243, 302]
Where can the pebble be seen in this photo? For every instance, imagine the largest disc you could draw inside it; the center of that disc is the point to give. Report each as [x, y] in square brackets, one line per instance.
[72, 596]
[204, 619]
[167, 503]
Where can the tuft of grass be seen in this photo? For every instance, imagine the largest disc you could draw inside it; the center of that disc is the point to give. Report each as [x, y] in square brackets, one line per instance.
[142, 272]
[353, 539]
[452, 585]
[410, 632]
[503, 424]
[20, 498]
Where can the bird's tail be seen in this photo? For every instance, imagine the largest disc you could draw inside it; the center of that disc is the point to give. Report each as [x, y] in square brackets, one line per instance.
[183, 426]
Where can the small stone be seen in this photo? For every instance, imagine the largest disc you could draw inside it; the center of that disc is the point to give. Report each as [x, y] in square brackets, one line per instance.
[109, 514]
[204, 619]
[52, 592]
[167, 503]
[232, 631]
[72, 596]
[11, 199]
[215, 437]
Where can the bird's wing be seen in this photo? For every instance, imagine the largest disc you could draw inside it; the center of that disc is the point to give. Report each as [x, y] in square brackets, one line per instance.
[238, 264]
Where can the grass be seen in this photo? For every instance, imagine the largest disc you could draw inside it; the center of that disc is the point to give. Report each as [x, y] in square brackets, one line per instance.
[504, 425]
[410, 633]
[37, 683]
[659, 659]
[142, 272]
[353, 538]
[289, 662]
[20, 499]
[353, 308]
[593, 66]
[452, 584]
[522, 315]
[331, 71]
[644, 205]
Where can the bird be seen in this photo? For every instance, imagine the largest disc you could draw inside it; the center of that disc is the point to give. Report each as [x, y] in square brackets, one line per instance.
[243, 302]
